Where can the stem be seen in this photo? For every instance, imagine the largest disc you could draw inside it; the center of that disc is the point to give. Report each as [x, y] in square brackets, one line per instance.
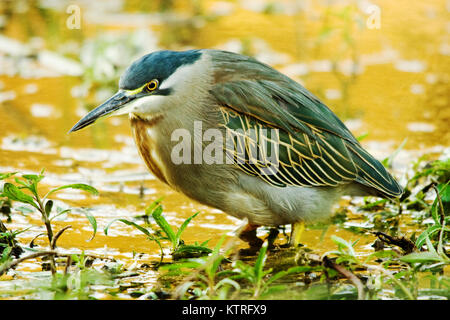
[390, 276]
[442, 220]
[13, 263]
[47, 223]
[349, 275]
[68, 263]
[48, 226]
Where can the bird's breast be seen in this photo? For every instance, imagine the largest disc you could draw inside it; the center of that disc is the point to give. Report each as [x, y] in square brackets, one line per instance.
[147, 145]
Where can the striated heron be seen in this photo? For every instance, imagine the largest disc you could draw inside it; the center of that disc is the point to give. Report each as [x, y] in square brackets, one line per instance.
[235, 134]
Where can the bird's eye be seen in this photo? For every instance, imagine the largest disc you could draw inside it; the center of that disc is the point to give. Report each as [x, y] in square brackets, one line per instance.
[152, 85]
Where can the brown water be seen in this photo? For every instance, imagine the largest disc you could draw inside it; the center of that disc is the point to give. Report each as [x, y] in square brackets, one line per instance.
[400, 91]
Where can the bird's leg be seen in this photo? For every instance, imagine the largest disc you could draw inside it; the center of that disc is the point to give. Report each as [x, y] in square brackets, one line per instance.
[273, 234]
[248, 234]
[296, 233]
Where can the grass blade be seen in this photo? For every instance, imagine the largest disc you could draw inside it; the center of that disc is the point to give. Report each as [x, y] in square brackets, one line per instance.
[260, 261]
[184, 225]
[93, 223]
[164, 225]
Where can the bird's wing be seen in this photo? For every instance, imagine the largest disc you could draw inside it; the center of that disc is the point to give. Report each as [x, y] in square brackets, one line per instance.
[314, 148]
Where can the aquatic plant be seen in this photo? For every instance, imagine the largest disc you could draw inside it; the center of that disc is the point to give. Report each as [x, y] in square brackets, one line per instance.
[165, 232]
[42, 204]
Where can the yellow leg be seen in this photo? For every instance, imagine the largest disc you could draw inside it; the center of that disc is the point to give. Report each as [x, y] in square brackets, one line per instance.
[296, 233]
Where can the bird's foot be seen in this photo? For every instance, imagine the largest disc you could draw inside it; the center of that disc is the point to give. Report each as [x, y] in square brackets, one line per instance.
[248, 234]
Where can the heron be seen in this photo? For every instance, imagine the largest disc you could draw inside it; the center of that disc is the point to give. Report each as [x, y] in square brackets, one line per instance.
[314, 158]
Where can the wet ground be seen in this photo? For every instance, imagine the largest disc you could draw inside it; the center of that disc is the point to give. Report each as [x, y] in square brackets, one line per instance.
[388, 84]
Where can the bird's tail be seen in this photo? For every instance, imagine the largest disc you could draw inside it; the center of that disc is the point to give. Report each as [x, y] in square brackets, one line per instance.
[373, 174]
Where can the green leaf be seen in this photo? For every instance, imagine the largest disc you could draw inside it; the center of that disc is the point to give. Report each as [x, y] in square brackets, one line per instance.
[190, 248]
[184, 225]
[430, 246]
[106, 228]
[48, 207]
[229, 282]
[92, 221]
[421, 257]
[6, 254]
[14, 193]
[23, 183]
[444, 191]
[296, 269]
[151, 207]
[421, 239]
[362, 137]
[33, 177]
[143, 230]
[164, 225]
[260, 261]
[387, 162]
[130, 223]
[373, 205]
[6, 175]
[79, 186]
[191, 264]
[59, 212]
[24, 209]
[190, 251]
[444, 195]
[216, 258]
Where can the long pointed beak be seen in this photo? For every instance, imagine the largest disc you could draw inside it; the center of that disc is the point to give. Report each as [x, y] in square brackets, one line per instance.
[114, 103]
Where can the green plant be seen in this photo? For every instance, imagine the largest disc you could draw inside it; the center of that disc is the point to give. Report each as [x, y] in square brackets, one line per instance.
[345, 252]
[260, 278]
[204, 274]
[438, 230]
[8, 243]
[166, 232]
[30, 184]
[438, 212]
[80, 283]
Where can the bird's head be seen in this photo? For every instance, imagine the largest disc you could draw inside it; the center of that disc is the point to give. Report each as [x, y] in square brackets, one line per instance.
[147, 85]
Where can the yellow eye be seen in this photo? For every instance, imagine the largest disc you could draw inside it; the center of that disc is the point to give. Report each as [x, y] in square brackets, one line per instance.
[152, 85]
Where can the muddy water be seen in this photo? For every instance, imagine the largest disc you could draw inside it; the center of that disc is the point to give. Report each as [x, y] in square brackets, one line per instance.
[398, 89]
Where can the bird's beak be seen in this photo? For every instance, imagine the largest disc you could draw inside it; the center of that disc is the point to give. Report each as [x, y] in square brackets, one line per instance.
[111, 105]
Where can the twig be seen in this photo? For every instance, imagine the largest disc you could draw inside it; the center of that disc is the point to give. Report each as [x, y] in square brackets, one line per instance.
[31, 245]
[407, 245]
[13, 263]
[68, 263]
[57, 235]
[349, 275]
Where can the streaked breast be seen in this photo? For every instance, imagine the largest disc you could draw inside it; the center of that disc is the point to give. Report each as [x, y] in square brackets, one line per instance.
[146, 144]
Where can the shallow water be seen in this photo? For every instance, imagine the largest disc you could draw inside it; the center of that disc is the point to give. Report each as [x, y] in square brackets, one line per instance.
[398, 89]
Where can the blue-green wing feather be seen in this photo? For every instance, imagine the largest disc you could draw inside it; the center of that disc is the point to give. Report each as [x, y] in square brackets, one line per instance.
[315, 147]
